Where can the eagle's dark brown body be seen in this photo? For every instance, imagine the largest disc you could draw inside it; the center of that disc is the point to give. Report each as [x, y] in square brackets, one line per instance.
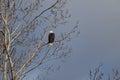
[51, 38]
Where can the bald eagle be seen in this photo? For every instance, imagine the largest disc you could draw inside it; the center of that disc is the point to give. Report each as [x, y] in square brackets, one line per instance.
[51, 38]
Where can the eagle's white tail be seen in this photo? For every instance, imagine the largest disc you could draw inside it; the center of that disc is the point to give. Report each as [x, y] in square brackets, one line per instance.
[50, 44]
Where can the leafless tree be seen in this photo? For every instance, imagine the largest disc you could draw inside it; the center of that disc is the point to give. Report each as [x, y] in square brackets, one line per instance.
[98, 74]
[24, 26]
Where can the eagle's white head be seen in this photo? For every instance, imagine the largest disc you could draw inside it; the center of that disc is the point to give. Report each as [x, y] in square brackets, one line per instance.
[51, 31]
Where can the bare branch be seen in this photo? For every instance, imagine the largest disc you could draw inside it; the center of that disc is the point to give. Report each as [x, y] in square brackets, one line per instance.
[8, 47]
[33, 54]
[38, 64]
[35, 19]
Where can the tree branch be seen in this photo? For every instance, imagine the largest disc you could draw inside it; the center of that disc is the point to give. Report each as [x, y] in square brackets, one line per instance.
[34, 20]
[7, 46]
[34, 67]
[33, 54]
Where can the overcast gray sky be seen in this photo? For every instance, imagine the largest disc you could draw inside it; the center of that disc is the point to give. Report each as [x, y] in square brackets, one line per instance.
[99, 41]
